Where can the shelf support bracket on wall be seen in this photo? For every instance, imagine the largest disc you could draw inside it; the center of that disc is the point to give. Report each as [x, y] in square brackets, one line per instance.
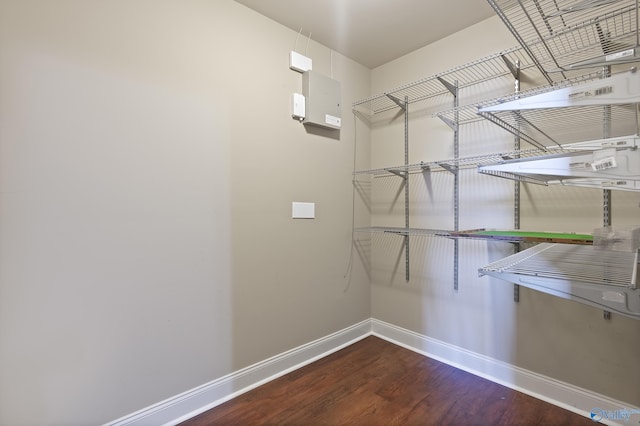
[453, 88]
[452, 124]
[402, 173]
[513, 68]
[402, 104]
[448, 167]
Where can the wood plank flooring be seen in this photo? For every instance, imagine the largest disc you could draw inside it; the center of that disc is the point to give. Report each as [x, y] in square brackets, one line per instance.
[374, 382]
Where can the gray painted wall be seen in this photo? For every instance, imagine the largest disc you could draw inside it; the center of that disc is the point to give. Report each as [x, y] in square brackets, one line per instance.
[148, 165]
[147, 168]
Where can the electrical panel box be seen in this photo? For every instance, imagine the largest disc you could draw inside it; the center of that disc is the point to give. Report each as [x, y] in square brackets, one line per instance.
[322, 100]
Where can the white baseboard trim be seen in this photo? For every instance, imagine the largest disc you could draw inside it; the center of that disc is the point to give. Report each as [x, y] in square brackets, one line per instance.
[553, 391]
[198, 400]
[195, 401]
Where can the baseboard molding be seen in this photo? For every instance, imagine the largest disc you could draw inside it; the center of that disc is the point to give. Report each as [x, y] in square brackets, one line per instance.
[195, 401]
[553, 391]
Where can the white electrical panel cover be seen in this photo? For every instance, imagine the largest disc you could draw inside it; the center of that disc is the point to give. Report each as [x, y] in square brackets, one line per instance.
[322, 99]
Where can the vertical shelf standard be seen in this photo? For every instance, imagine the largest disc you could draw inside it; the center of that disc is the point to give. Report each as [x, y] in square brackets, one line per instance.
[404, 174]
[454, 124]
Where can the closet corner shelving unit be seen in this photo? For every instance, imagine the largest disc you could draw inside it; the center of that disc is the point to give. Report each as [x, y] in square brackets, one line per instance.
[575, 45]
[505, 64]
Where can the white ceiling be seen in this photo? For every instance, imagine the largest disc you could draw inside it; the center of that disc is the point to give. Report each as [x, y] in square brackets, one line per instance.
[373, 32]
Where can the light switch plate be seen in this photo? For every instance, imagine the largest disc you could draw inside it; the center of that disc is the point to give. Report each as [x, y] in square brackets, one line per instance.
[303, 210]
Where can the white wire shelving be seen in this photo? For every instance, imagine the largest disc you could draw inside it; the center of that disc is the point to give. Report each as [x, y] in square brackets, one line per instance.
[612, 163]
[502, 64]
[406, 231]
[573, 44]
[626, 152]
[459, 163]
[580, 46]
[505, 64]
[590, 275]
[564, 36]
[584, 112]
[546, 127]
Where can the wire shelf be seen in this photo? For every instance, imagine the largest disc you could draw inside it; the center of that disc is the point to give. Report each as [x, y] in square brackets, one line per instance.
[405, 231]
[546, 127]
[591, 275]
[610, 163]
[467, 162]
[462, 115]
[584, 264]
[482, 70]
[436, 166]
[561, 36]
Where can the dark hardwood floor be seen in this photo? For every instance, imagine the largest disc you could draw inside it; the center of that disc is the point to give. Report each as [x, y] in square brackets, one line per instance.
[374, 382]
